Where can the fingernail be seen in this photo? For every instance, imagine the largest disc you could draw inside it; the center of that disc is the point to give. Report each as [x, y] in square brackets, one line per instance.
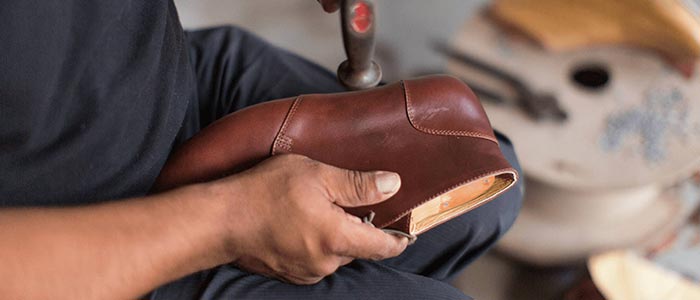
[387, 182]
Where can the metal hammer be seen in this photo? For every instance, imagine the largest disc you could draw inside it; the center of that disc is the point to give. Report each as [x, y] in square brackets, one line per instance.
[357, 20]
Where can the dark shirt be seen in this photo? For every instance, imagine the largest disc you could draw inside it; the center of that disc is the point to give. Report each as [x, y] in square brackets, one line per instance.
[92, 95]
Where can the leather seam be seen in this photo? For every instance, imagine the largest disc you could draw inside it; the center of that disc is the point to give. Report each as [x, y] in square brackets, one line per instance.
[282, 140]
[501, 171]
[410, 112]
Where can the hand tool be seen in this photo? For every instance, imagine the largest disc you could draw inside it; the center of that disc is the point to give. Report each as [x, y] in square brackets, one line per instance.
[538, 106]
[358, 22]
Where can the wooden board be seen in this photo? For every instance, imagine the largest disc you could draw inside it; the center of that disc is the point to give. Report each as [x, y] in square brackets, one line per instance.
[625, 275]
[641, 128]
[671, 27]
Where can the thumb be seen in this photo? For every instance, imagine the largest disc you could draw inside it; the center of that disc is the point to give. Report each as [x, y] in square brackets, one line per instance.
[354, 188]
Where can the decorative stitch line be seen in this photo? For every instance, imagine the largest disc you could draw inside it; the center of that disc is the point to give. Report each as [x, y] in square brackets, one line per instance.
[282, 140]
[285, 143]
[409, 110]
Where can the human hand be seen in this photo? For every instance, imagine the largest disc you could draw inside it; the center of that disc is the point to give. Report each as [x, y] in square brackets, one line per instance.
[330, 5]
[289, 223]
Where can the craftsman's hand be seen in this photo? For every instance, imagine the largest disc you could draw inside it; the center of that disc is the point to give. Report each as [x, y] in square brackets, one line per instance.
[330, 5]
[289, 224]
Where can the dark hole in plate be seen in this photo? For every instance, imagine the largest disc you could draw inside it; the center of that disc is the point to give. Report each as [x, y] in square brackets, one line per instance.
[591, 76]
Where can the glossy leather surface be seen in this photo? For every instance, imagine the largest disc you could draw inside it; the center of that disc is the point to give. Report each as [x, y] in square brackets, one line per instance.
[432, 131]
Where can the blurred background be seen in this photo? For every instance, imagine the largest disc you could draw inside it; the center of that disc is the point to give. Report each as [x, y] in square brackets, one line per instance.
[403, 36]
[601, 101]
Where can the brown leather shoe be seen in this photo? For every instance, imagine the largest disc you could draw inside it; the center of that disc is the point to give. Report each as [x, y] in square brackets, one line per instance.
[431, 130]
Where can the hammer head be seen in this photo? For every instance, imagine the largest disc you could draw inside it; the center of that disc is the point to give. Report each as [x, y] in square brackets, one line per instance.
[359, 79]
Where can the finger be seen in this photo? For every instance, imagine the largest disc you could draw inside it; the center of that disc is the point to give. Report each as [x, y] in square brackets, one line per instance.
[285, 276]
[352, 218]
[344, 260]
[257, 267]
[297, 280]
[350, 188]
[367, 242]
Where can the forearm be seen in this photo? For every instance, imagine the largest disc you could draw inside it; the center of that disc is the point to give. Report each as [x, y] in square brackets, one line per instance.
[117, 250]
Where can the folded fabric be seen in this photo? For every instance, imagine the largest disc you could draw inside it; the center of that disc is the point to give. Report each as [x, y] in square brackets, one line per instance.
[432, 131]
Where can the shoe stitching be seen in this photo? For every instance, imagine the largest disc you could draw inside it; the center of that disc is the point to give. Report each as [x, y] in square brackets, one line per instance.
[411, 118]
[282, 140]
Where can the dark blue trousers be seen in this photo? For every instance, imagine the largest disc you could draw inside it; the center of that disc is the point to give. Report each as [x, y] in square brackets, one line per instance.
[235, 69]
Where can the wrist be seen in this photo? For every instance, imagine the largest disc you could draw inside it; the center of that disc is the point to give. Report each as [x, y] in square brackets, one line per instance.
[223, 199]
[206, 228]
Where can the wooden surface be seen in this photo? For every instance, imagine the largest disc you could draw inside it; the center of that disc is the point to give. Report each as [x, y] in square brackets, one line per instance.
[601, 176]
[641, 128]
[624, 275]
[668, 26]
[561, 226]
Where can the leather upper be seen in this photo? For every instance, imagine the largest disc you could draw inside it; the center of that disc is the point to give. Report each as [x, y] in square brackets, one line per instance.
[444, 105]
[432, 131]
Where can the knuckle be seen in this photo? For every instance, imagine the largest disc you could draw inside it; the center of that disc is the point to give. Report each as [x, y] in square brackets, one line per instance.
[360, 184]
[397, 248]
[291, 159]
[394, 251]
[386, 250]
[325, 268]
[285, 158]
[310, 167]
[381, 254]
[312, 164]
[376, 257]
[298, 281]
[337, 244]
[345, 260]
[313, 280]
[294, 157]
